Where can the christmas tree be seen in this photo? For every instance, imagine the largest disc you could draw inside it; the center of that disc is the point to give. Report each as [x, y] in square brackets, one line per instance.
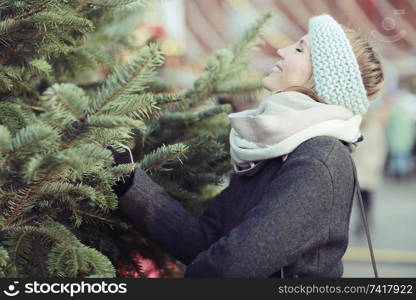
[60, 133]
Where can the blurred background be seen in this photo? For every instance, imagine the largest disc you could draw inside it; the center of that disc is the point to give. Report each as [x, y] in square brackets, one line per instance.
[188, 31]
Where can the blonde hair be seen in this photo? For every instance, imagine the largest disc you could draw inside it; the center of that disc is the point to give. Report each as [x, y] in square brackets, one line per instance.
[369, 62]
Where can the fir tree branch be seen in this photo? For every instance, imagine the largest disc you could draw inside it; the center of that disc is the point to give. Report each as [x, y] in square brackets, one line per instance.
[34, 10]
[224, 64]
[45, 138]
[40, 262]
[27, 220]
[139, 71]
[162, 155]
[7, 27]
[80, 129]
[18, 208]
[81, 258]
[38, 108]
[5, 139]
[117, 84]
[102, 219]
[250, 37]
[17, 247]
[69, 107]
[25, 231]
[54, 125]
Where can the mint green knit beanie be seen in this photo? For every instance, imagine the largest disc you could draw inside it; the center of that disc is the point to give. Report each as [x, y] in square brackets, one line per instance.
[335, 68]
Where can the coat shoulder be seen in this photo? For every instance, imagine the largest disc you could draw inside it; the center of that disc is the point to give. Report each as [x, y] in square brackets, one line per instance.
[336, 158]
[324, 148]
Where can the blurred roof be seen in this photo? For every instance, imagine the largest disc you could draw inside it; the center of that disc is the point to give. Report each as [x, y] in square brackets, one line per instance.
[390, 25]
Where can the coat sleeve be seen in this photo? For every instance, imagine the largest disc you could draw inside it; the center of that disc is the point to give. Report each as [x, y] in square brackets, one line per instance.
[292, 217]
[162, 218]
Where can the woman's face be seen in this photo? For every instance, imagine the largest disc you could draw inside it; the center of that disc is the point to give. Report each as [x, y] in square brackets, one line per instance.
[294, 67]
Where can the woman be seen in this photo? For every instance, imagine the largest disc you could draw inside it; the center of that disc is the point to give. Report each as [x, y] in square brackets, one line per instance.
[289, 200]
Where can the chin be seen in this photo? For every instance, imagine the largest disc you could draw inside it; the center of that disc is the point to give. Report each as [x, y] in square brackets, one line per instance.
[266, 84]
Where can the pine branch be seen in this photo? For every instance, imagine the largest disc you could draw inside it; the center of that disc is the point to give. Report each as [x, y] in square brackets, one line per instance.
[13, 119]
[251, 37]
[62, 98]
[64, 188]
[224, 65]
[74, 261]
[55, 19]
[137, 106]
[5, 139]
[67, 257]
[114, 122]
[19, 241]
[124, 80]
[25, 221]
[128, 78]
[36, 138]
[8, 26]
[16, 208]
[186, 119]
[73, 162]
[58, 167]
[38, 259]
[214, 111]
[102, 219]
[33, 10]
[109, 137]
[4, 261]
[162, 99]
[163, 155]
[40, 67]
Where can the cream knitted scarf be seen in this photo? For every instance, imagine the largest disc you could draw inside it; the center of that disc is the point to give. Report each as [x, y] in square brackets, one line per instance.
[281, 123]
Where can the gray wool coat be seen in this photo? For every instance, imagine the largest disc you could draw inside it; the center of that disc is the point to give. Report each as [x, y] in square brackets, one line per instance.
[293, 214]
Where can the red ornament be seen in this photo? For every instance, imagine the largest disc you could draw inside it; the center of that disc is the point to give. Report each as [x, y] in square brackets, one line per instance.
[145, 268]
[157, 30]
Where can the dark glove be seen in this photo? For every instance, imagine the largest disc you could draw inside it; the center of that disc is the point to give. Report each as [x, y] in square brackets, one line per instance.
[144, 201]
[142, 186]
[162, 218]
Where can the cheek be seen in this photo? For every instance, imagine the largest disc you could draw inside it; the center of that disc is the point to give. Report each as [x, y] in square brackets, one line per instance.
[299, 72]
[273, 81]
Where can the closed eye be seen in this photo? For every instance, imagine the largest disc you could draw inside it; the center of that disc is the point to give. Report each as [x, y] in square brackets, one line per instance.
[301, 43]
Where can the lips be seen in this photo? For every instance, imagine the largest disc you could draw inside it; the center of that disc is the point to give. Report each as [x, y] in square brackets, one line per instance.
[279, 67]
[276, 68]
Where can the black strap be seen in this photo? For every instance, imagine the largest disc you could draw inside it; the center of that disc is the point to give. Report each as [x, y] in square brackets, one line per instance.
[357, 191]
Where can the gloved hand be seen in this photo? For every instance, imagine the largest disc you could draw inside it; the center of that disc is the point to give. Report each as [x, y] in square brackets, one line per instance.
[152, 211]
[143, 190]
[163, 219]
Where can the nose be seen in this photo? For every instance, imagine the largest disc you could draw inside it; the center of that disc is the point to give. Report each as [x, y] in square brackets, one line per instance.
[279, 53]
